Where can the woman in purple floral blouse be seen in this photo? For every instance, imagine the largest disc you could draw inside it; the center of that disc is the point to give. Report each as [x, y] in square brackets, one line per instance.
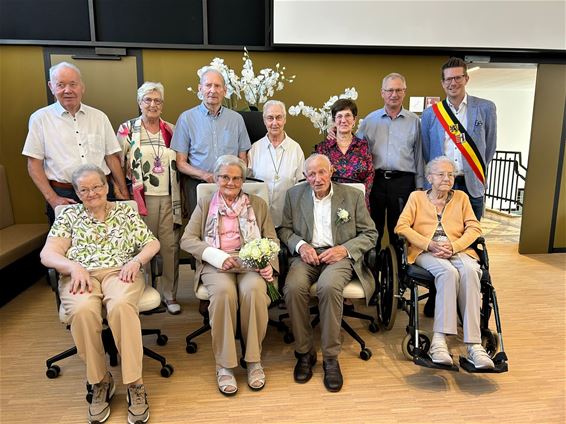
[349, 155]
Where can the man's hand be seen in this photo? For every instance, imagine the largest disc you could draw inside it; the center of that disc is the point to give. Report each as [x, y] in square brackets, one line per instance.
[230, 263]
[129, 271]
[331, 134]
[80, 280]
[58, 200]
[208, 177]
[333, 255]
[441, 250]
[120, 195]
[308, 254]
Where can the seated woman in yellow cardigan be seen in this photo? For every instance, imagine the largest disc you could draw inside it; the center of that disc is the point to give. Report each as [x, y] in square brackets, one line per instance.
[440, 226]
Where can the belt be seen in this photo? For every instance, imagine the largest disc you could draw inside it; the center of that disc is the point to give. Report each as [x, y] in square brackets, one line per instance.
[57, 184]
[392, 174]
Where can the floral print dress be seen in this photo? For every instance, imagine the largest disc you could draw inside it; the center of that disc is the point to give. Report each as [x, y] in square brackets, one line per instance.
[354, 166]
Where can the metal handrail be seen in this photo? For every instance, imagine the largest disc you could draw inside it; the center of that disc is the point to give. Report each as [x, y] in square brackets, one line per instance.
[506, 181]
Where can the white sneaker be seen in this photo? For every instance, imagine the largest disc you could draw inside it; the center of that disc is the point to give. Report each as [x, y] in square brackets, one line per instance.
[439, 353]
[173, 307]
[479, 357]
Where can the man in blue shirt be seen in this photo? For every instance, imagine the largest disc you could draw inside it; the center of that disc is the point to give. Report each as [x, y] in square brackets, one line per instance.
[204, 133]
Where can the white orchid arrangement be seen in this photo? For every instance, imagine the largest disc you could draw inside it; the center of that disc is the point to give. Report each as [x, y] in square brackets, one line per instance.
[255, 89]
[321, 118]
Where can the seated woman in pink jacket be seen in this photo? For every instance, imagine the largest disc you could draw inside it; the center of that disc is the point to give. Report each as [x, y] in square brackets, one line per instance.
[440, 226]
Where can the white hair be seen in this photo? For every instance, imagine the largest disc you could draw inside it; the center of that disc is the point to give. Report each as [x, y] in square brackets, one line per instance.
[55, 68]
[87, 168]
[437, 160]
[229, 160]
[313, 157]
[148, 87]
[271, 103]
[393, 75]
[209, 69]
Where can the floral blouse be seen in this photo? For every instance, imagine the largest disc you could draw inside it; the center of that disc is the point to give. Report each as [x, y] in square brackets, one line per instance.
[107, 244]
[354, 166]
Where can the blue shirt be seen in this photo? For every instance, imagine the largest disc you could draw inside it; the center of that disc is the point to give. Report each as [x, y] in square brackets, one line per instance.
[395, 143]
[204, 137]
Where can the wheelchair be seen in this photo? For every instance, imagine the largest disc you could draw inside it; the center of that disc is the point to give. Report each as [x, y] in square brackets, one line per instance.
[398, 277]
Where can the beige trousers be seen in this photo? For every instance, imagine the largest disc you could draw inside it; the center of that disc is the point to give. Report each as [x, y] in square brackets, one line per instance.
[159, 220]
[85, 311]
[225, 290]
[331, 280]
[457, 282]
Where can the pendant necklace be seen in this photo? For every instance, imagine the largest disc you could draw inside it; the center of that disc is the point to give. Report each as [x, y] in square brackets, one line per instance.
[157, 165]
[277, 167]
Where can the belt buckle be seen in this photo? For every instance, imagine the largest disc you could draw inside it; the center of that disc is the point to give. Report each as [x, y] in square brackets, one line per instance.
[387, 175]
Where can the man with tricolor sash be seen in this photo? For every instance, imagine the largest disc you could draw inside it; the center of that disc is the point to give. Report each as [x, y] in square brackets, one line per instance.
[464, 128]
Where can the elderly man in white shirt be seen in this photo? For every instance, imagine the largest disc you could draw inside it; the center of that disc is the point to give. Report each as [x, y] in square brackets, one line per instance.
[276, 158]
[67, 134]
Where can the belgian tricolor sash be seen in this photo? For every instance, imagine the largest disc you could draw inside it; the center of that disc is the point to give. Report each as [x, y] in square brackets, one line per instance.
[461, 138]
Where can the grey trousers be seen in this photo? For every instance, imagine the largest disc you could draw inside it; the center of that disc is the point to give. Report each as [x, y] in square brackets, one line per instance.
[251, 293]
[331, 280]
[457, 282]
[159, 220]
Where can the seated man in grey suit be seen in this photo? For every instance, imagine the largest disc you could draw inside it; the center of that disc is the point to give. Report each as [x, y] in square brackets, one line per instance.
[328, 229]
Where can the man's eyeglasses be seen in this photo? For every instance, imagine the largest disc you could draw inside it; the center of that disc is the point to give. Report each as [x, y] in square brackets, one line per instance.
[96, 189]
[457, 78]
[390, 91]
[148, 101]
[443, 175]
[226, 179]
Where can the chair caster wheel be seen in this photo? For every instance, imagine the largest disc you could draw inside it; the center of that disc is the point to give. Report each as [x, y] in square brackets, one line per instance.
[373, 328]
[113, 361]
[365, 354]
[53, 371]
[191, 347]
[88, 396]
[288, 338]
[167, 371]
[162, 340]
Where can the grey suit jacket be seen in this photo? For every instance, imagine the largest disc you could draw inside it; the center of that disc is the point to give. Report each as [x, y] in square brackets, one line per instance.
[192, 240]
[358, 235]
[482, 127]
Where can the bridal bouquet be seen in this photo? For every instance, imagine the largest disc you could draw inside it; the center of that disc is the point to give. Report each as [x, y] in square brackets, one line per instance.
[257, 254]
[321, 118]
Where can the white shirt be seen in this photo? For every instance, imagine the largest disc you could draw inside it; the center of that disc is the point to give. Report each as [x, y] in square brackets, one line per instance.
[450, 148]
[322, 224]
[65, 142]
[286, 161]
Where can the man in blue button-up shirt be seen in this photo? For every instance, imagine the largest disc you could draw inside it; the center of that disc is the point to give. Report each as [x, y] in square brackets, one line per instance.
[204, 133]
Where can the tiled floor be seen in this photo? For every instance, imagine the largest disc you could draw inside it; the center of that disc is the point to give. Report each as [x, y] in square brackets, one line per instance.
[500, 227]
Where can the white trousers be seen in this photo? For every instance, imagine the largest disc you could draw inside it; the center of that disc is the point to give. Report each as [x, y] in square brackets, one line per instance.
[457, 283]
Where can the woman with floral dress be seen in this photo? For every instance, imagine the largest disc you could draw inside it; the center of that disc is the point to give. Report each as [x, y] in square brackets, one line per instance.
[349, 155]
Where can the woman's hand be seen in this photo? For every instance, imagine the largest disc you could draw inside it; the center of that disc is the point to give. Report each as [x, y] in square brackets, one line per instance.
[80, 279]
[266, 273]
[129, 271]
[230, 263]
[441, 250]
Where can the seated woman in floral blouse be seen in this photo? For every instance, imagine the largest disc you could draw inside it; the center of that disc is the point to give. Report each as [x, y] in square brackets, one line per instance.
[99, 247]
[349, 155]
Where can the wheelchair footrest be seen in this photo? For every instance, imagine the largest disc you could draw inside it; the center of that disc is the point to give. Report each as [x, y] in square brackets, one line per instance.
[499, 360]
[425, 361]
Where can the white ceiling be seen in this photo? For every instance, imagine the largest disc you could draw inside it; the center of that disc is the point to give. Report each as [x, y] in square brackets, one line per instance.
[508, 78]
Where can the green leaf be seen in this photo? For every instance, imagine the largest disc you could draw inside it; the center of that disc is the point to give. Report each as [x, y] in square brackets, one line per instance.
[146, 167]
[137, 153]
[153, 180]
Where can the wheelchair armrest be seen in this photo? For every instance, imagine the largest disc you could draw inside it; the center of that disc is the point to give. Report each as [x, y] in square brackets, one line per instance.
[53, 279]
[403, 247]
[479, 247]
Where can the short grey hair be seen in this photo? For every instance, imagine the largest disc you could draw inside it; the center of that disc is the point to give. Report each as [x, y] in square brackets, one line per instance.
[271, 103]
[210, 69]
[313, 157]
[87, 168]
[437, 160]
[55, 68]
[148, 87]
[394, 75]
[229, 160]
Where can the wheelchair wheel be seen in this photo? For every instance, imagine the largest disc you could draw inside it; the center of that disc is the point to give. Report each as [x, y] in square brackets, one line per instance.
[388, 288]
[408, 344]
[490, 342]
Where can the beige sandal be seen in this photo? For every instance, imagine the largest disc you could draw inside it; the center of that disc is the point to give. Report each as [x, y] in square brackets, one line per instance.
[256, 376]
[226, 381]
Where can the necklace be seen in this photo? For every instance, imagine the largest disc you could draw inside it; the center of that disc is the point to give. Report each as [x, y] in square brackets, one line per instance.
[157, 165]
[277, 167]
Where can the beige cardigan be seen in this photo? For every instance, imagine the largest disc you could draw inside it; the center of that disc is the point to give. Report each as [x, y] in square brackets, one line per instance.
[192, 240]
[418, 222]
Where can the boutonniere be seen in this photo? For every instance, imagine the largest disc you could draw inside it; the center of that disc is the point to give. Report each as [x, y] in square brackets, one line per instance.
[343, 216]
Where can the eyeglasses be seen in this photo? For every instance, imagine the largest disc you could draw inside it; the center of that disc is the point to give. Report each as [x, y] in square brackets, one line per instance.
[277, 118]
[346, 116]
[458, 79]
[443, 175]
[390, 91]
[148, 101]
[227, 178]
[96, 189]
